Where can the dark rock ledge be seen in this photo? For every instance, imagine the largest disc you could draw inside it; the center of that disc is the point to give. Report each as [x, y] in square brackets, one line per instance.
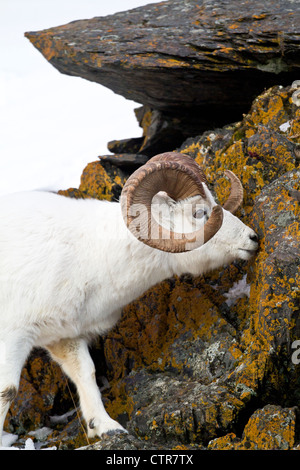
[198, 64]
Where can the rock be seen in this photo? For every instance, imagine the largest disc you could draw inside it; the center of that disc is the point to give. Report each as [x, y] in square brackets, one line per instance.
[43, 390]
[276, 295]
[100, 181]
[198, 64]
[121, 442]
[127, 162]
[126, 146]
[162, 132]
[191, 358]
[255, 148]
[270, 428]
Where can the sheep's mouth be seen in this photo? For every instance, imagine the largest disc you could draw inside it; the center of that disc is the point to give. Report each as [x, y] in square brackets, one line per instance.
[250, 252]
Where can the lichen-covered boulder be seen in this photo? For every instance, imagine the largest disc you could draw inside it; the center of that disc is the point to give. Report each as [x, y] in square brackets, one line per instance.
[43, 391]
[192, 356]
[260, 148]
[270, 428]
[99, 181]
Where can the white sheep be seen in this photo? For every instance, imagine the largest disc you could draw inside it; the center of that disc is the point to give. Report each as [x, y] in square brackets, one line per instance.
[69, 266]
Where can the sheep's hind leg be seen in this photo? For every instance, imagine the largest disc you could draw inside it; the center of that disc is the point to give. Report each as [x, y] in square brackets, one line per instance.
[74, 358]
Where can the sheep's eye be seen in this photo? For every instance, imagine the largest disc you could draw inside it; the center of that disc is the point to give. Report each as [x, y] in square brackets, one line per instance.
[200, 213]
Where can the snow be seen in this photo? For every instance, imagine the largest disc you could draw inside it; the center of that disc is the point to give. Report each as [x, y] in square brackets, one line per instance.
[285, 126]
[61, 419]
[29, 445]
[39, 436]
[238, 290]
[9, 439]
[53, 125]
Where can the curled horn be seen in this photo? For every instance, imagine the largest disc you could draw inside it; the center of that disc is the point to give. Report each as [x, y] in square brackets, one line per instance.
[236, 195]
[180, 177]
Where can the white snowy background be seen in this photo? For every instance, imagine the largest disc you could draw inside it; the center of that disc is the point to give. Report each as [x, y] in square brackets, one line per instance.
[52, 125]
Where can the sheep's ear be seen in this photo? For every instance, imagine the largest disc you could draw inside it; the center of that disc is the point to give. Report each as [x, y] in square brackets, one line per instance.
[162, 198]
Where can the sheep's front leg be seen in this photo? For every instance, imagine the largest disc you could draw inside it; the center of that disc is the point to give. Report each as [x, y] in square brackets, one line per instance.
[74, 358]
[14, 349]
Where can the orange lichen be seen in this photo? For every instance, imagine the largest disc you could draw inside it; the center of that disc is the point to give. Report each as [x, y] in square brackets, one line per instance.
[97, 183]
[271, 428]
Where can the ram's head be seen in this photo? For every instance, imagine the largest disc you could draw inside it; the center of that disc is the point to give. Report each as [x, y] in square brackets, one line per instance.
[167, 205]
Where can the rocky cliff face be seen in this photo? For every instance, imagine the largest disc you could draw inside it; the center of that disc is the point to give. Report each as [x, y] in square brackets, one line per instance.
[209, 362]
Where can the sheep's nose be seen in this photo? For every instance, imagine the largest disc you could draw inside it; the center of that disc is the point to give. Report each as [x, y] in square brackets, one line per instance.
[253, 237]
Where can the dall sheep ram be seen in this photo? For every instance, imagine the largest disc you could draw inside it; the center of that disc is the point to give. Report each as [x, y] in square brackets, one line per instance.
[69, 266]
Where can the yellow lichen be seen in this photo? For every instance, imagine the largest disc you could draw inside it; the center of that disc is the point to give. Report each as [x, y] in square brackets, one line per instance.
[272, 428]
